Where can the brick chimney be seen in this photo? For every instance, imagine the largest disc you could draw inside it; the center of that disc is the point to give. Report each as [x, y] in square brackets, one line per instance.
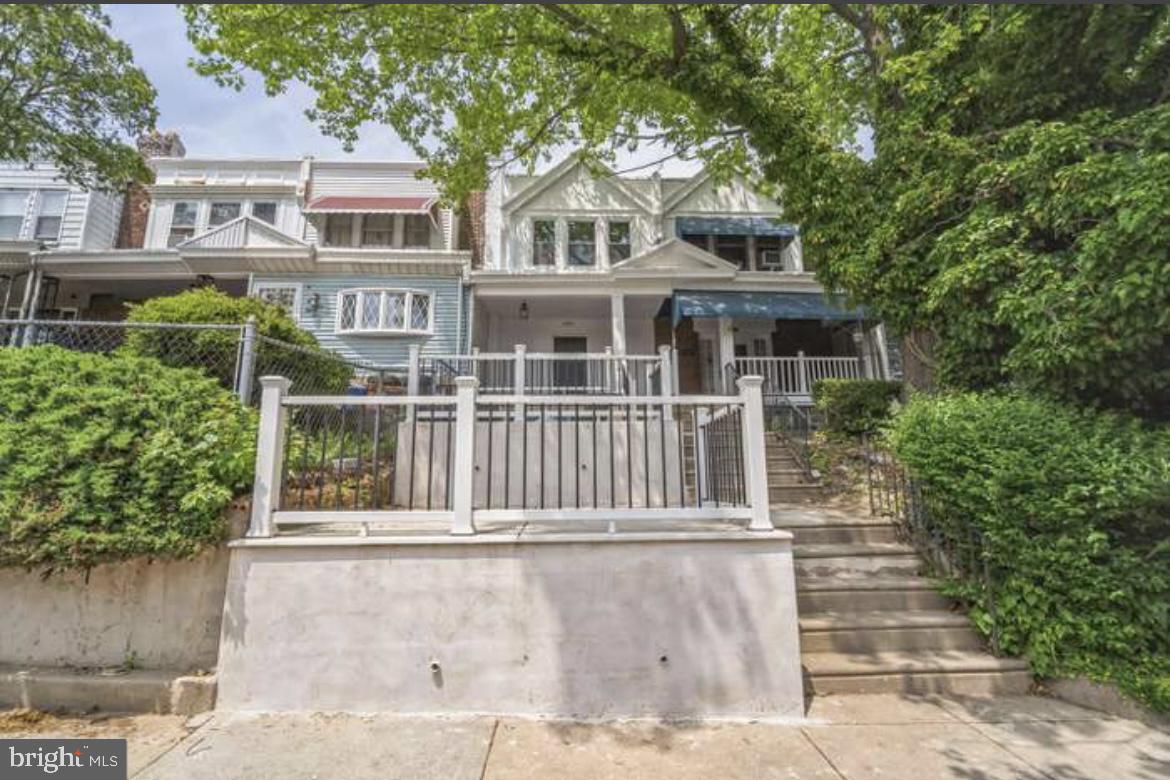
[136, 204]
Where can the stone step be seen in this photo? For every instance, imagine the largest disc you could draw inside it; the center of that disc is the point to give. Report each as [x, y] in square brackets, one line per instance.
[868, 632]
[815, 595]
[795, 494]
[915, 671]
[874, 533]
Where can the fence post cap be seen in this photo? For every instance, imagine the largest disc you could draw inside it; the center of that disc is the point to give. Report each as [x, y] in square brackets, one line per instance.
[521, 347]
[284, 383]
[746, 382]
[663, 349]
[466, 381]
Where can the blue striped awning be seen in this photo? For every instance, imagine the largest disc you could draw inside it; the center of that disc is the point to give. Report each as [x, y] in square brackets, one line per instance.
[762, 305]
[732, 226]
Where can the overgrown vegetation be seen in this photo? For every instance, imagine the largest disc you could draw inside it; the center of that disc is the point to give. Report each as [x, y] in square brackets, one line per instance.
[1074, 511]
[855, 407]
[108, 457]
[215, 351]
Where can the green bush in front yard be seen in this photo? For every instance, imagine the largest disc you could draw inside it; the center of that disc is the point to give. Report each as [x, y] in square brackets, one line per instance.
[108, 457]
[1074, 510]
[214, 351]
[853, 407]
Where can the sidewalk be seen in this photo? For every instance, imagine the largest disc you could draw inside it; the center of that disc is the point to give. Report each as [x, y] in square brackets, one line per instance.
[843, 738]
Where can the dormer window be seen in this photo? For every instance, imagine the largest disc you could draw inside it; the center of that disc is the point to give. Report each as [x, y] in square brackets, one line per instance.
[619, 241]
[182, 222]
[544, 242]
[222, 213]
[582, 243]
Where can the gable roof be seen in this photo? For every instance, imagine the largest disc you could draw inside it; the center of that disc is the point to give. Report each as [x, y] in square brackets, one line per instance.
[676, 257]
[680, 194]
[242, 232]
[562, 169]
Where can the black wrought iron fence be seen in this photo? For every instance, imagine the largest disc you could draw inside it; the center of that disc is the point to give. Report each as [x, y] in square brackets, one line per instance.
[953, 547]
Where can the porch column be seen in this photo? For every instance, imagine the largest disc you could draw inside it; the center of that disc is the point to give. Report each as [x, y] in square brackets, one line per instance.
[617, 313]
[883, 355]
[726, 351]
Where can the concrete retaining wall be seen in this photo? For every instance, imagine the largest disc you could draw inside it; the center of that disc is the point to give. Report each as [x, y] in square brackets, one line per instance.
[589, 625]
[164, 614]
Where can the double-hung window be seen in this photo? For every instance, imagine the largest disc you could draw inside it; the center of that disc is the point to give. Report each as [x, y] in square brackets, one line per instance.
[378, 230]
[582, 243]
[384, 311]
[13, 204]
[182, 222]
[339, 230]
[544, 242]
[619, 241]
[222, 212]
[416, 232]
[733, 249]
[52, 209]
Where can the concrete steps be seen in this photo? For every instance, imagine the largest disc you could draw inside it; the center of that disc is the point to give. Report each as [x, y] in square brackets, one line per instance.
[870, 622]
[787, 480]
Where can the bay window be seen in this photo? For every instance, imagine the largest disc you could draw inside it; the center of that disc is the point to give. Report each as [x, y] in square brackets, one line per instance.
[383, 311]
[582, 243]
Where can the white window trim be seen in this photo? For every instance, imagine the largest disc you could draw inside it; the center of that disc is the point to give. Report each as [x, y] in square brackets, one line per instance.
[297, 287]
[357, 330]
[558, 260]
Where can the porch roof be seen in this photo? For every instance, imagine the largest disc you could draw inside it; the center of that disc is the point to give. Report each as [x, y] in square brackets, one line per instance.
[762, 305]
[344, 204]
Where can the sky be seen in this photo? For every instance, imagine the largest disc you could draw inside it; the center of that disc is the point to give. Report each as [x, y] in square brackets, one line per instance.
[217, 122]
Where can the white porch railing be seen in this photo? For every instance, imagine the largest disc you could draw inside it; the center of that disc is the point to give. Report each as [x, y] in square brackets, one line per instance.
[508, 458]
[795, 376]
[541, 373]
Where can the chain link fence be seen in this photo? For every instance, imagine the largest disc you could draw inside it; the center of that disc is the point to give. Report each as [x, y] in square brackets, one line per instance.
[234, 355]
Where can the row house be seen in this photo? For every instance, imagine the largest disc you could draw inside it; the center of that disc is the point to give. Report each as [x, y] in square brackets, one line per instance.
[576, 262]
[581, 281]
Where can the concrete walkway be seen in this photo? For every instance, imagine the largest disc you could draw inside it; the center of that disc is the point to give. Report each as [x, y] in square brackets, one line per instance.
[847, 737]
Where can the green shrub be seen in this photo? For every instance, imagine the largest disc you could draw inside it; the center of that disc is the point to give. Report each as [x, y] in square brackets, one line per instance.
[1074, 510]
[107, 457]
[214, 351]
[853, 407]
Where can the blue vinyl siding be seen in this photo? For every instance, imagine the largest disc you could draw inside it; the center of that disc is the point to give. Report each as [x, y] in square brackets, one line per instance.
[376, 350]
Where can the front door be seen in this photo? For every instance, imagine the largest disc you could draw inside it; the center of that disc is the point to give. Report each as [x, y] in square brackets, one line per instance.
[570, 374]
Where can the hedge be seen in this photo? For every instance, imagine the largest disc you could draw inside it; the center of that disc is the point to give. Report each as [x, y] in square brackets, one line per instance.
[109, 457]
[853, 407]
[214, 351]
[1074, 510]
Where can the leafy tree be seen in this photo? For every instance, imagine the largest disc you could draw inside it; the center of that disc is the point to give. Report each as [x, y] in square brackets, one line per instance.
[1013, 208]
[70, 93]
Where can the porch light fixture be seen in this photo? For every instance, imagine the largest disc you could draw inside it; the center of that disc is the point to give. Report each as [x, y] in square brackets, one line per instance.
[523, 310]
[312, 303]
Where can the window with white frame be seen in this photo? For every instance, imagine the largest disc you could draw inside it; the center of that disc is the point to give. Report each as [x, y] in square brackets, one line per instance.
[582, 243]
[544, 242]
[49, 214]
[283, 294]
[222, 212]
[384, 311]
[618, 233]
[13, 205]
[183, 216]
[265, 211]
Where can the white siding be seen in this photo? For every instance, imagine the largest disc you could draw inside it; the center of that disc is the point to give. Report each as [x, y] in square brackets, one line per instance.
[81, 207]
[730, 198]
[371, 179]
[101, 224]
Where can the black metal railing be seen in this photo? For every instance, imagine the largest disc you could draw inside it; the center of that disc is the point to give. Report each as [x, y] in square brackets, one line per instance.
[723, 441]
[795, 426]
[953, 548]
[368, 457]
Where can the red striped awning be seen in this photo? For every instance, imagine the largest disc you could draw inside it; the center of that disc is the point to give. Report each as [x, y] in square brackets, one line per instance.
[367, 205]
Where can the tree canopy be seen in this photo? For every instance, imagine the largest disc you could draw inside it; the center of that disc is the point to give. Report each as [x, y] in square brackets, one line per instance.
[70, 94]
[1013, 211]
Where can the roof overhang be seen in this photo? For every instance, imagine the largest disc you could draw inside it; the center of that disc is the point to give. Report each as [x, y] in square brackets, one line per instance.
[347, 204]
[125, 264]
[220, 261]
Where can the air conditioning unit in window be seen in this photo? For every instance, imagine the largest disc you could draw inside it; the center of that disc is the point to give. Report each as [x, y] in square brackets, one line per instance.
[772, 260]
